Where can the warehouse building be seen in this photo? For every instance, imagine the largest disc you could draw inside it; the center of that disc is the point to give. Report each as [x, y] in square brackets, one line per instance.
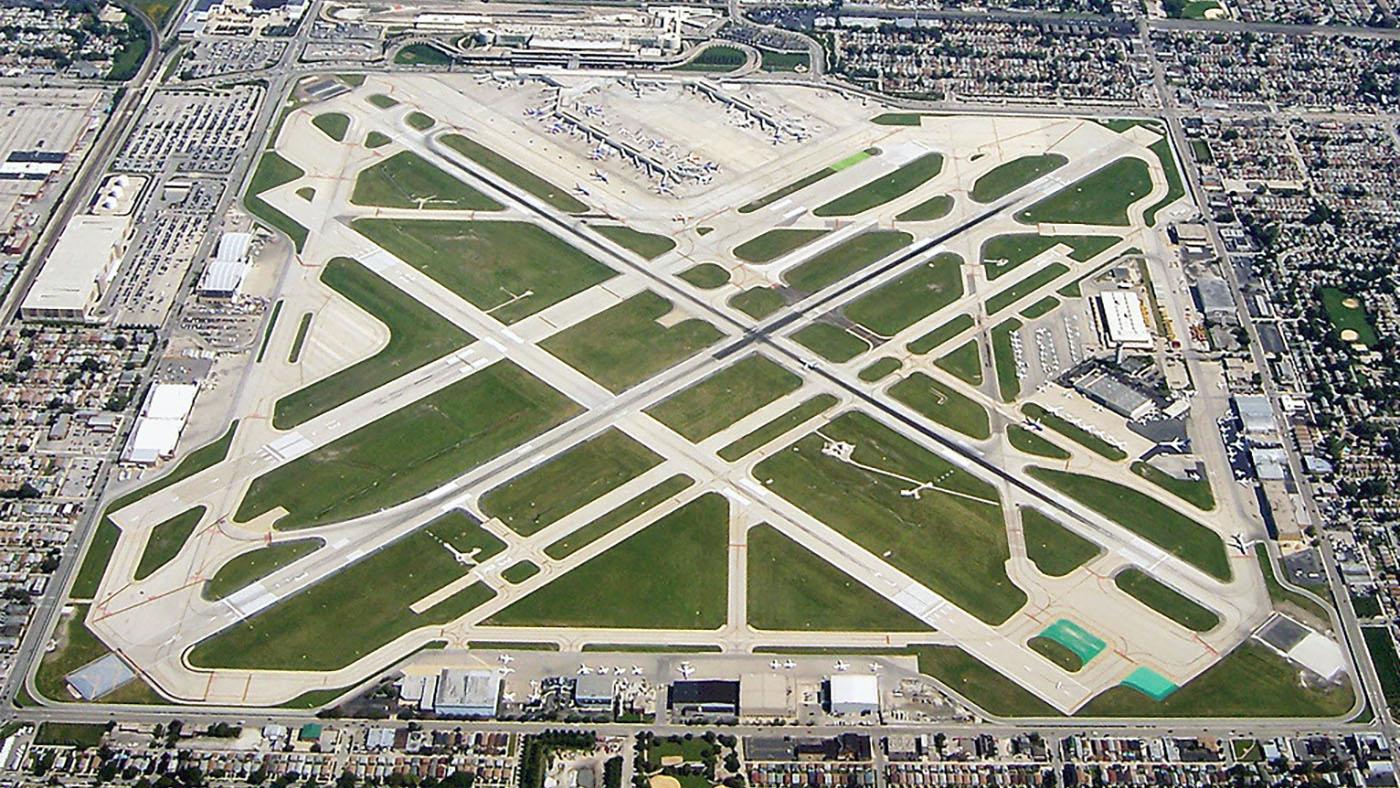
[1257, 416]
[766, 695]
[467, 693]
[223, 277]
[160, 423]
[1121, 320]
[704, 697]
[853, 695]
[78, 269]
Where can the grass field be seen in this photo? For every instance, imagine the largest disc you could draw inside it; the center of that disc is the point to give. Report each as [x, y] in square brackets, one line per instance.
[775, 243]
[1249, 682]
[165, 541]
[412, 450]
[632, 509]
[1147, 590]
[956, 545]
[1025, 287]
[1102, 197]
[554, 196]
[899, 119]
[758, 302]
[929, 210]
[334, 124]
[648, 245]
[791, 588]
[1004, 359]
[1040, 308]
[673, 574]
[965, 363]
[885, 188]
[1284, 598]
[845, 258]
[807, 409]
[420, 121]
[104, 539]
[382, 101]
[1012, 175]
[1196, 492]
[624, 344]
[1175, 188]
[880, 369]
[253, 566]
[422, 55]
[299, 340]
[807, 180]
[1348, 318]
[1002, 253]
[911, 297]
[77, 646]
[940, 335]
[1074, 432]
[274, 171]
[1145, 516]
[267, 330]
[542, 495]
[831, 342]
[366, 604]
[943, 405]
[1032, 443]
[407, 180]
[492, 264]
[417, 335]
[980, 684]
[1053, 548]
[716, 58]
[1062, 657]
[785, 61]
[1387, 664]
[376, 139]
[725, 397]
[519, 572]
[706, 276]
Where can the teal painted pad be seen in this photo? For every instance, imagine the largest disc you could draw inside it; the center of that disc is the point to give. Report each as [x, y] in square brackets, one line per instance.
[1150, 683]
[1081, 641]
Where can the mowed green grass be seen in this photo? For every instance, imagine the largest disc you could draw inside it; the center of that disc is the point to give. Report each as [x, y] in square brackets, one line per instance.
[964, 362]
[412, 450]
[1004, 359]
[648, 245]
[879, 369]
[542, 495]
[831, 342]
[250, 567]
[1102, 197]
[1145, 516]
[885, 188]
[758, 302]
[911, 297]
[165, 541]
[673, 574]
[1032, 443]
[985, 686]
[792, 588]
[1344, 317]
[725, 397]
[706, 276]
[417, 335]
[273, 171]
[809, 408]
[952, 543]
[635, 507]
[407, 180]
[940, 335]
[77, 647]
[807, 180]
[334, 124]
[933, 208]
[420, 121]
[492, 264]
[1053, 548]
[1074, 432]
[1062, 657]
[1161, 598]
[1196, 492]
[775, 243]
[1176, 189]
[943, 405]
[1007, 178]
[504, 168]
[1025, 287]
[624, 344]
[846, 258]
[334, 622]
[1385, 660]
[1002, 253]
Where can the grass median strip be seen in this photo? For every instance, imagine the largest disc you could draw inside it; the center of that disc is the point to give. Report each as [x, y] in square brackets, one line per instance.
[334, 124]
[846, 258]
[273, 171]
[725, 397]
[1032, 443]
[965, 363]
[1002, 253]
[1025, 287]
[1073, 431]
[896, 184]
[165, 541]
[504, 168]
[407, 180]
[943, 405]
[831, 342]
[1053, 548]
[911, 297]
[1196, 492]
[940, 335]
[1102, 197]
[802, 183]
[648, 245]
[807, 409]
[1004, 359]
[1012, 175]
[771, 245]
[248, 568]
[1161, 598]
[618, 517]
[929, 210]
[758, 302]
[706, 276]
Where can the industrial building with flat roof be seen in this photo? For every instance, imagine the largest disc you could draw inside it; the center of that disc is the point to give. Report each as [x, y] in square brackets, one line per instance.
[853, 694]
[160, 423]
[467, 693]
[712, 696]
[223, 277]
[78, 269]
[1121, 320]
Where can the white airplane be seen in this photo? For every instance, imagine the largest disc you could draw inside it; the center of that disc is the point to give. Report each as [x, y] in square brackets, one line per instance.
[789, 665]
[636, 670]
[774, 664]
[600, 176]
[578, 187]
[506, 671]
[619, 671]
[842, 666]
[506, 659]
[584, 670]
[508, 697]
[875, 667]
[686, 669]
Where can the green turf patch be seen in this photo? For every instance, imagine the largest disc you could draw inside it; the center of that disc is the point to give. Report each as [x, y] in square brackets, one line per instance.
[510, 269]
[376, 139]
[673, 574]
[1004, 359]
[725, 397]
[775, 243]
[306, 193]
[758, 302]
[1012, 175]
[1164, 600]
[267, 330]
[248, 568]
[415, 449]
[79, 735]
[951, 537]
[349, 614]
[1074, 432]
[965, 363]
[1062, 657]
[273, 171]
[520, 572]
[831, 342]
[781, 425]
[791, 588]
[648, 245]
[1385, 660]
[940, 335]
[1032, 443]
[1040, 308]
[557, 198]
[805, 181]
[846, 258]
[1145, 516]
[880, 369]
[911, 297]
[334, 124]
[1196, 492]
[544, 494]
[624, 344]
[1002, 253]
[885, 188]
[77, 646]
[422, 55]
[898, 119]
[417, 336]
[298, 341]
[1102, 197]
[606, 524]
[420, 121]
[716, 58]
[382, 101]
[982, 685]
[706, 276]
[1054, 549]
[1175, 188]
[1284, 598]
[1025, 287]
[407, 180]
[165, 541]
[943, 405]
[1345, 317]
[785, 61]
